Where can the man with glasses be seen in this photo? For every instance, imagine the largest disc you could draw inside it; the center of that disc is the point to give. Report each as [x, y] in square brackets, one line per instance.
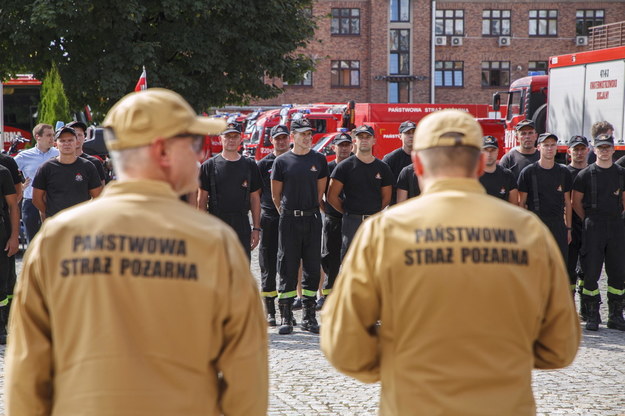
[137, 303]
[525, 153]
[230, 186]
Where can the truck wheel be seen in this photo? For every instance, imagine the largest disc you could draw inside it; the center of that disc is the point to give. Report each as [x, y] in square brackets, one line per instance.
[540, 119]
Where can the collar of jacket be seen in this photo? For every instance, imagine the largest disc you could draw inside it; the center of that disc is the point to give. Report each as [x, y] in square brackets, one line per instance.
[140, 186]
[457, 184]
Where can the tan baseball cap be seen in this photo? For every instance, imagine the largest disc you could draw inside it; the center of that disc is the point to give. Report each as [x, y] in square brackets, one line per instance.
[431, 130]
[141, 117]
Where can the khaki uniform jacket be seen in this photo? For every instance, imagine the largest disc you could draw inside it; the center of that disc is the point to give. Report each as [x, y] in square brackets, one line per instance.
[472, 293]
[136, 304]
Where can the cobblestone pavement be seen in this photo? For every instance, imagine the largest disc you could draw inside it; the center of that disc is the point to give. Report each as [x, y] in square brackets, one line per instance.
[303, 383]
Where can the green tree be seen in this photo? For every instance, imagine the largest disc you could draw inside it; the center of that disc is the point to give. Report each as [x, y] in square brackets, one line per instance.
[54, 105]
[213, 52]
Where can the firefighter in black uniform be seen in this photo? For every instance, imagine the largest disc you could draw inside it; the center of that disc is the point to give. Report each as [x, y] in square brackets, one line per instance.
[269, 220]
[578, 151]
[230, 188]
[545, 186]
[497, 180]
[332, 221]
[400, 158]
[407, 184]
[598, 199]
[525, 153]
[366, 182]
[298, 181]
[9, 242]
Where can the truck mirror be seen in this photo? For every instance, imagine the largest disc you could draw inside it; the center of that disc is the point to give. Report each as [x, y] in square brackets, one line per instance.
[496, 101]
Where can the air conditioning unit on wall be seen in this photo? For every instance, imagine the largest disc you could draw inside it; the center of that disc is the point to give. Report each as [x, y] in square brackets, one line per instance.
[581, 40]
[456, 41]
[441, 40]
[504, 40]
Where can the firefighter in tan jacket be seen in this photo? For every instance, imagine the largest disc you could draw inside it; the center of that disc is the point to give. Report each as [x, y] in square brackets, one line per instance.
[451, 299]
[136, 303]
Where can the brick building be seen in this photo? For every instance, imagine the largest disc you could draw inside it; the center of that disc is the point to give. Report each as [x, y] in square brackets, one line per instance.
[381, 50]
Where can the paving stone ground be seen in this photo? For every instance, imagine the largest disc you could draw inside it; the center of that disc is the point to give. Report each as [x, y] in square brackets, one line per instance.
[302, 382]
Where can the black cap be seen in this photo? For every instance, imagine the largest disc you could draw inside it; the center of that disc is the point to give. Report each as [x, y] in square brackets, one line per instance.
[279, 130]
[342, 138]
[603, 139]
[363, 129]
[407, 126]
[300, 125]
[232, 128]
[74, 124]
[62, 130]
[546, 136]
[525, 123]
[575, 140]
[489, 141]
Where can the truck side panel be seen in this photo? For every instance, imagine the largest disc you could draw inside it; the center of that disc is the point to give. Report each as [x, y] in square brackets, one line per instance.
[604, 95]
[565, 114]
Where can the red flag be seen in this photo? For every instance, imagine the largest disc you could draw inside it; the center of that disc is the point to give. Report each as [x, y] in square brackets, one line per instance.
[142, 84]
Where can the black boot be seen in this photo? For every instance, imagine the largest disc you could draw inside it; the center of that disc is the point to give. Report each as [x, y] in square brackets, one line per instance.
[297, 304]
[286, 325]
[615, 317]
[320, 302]
[270, 306]
[593, 316]
[309, 323]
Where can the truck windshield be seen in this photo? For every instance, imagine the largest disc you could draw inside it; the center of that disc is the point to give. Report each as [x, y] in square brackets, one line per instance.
[516, 102]
[321, 143]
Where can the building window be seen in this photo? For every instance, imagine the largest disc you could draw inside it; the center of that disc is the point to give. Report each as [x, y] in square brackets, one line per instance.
[306, 81]
[588, 18]
[543, 23]
[449, 74]
[537, 68]
[400, 52]
[345, 22]
[345, 73]
[450, 22]
[495, 74]
[400, 10]
[398, 92]
[496, 23]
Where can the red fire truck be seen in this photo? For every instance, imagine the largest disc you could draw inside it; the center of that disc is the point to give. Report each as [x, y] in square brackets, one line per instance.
[19, 102]
[581, 89]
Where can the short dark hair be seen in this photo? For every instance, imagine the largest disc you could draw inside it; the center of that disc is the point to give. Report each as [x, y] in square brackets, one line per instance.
[39, 128]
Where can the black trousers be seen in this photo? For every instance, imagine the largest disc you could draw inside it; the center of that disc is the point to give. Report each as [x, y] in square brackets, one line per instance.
[331, 252]
[7, 264]
[573, 260]
[603, 240]
[268, 253]
[299, 241]
[350, 225]
[30, 218]
[558, 230]
[240, 223]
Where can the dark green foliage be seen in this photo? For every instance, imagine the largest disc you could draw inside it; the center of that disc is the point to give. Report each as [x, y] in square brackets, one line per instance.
[213, 52]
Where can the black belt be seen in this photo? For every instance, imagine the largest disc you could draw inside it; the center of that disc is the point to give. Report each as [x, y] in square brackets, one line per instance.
[300, 212]
[362, 217]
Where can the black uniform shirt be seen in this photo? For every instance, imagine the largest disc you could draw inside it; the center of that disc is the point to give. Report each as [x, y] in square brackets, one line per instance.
[10, 163]
[299, 175]
[265, 165]
[499, 183]
[516, 161]
[552, 184]
[407, 181]
[610, 184]
[574, 172]
[233, 181]
[362, 184]
[6, 188]
[329, 209]
[66, 184]
[397, 160]
[98, 165]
